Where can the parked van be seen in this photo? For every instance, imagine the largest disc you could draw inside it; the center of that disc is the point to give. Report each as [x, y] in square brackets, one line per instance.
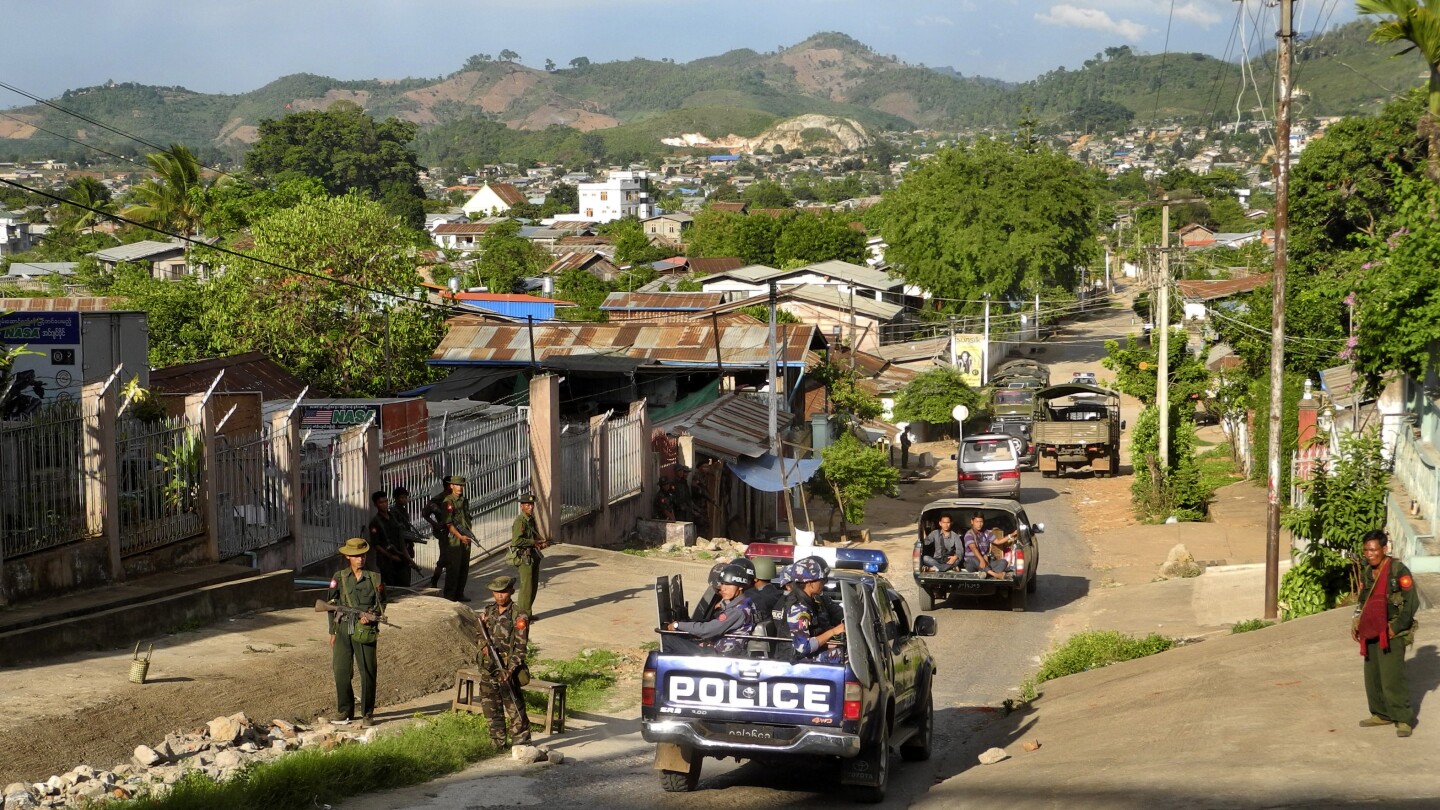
[988, 466]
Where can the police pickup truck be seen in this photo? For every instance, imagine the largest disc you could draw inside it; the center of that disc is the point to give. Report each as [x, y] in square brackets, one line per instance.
[764, 707]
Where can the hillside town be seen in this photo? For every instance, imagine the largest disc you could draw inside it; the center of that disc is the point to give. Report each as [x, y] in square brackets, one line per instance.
[910, 466]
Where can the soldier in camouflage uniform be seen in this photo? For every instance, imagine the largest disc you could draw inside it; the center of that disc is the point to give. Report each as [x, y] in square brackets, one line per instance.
[811, 622]
[500, 695]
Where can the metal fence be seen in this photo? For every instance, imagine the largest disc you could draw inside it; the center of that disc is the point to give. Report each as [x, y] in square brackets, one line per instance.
[334, 504]
[491, 452]
[578, 473]
[249, 486]
[42, 487]
[161, 468]
[626, 456]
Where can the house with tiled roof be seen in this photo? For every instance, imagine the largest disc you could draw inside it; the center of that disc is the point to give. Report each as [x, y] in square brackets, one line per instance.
[493, 199]
[597, 264]
[729, 207]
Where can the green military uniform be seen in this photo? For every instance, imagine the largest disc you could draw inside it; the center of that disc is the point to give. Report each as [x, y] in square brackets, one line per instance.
[1385, 685]
[525, 556]
[387, 537]
[510, 631]
[446, 510]
[354, 646]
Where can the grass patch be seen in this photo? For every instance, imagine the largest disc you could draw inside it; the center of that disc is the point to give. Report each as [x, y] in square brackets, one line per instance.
[187, 626]
[587, 677]
[1248, 625]
[1217, 468]
[1092, 650]
[303, 780]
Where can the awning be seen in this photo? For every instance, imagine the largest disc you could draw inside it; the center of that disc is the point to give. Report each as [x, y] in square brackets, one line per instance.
[463, 383]
[763, 473]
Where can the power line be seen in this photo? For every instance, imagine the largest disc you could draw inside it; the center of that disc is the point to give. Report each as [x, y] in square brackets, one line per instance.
[1164, 57]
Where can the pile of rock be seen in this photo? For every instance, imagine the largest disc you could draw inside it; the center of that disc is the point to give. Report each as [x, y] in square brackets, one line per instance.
[219, 751]
[715, 548]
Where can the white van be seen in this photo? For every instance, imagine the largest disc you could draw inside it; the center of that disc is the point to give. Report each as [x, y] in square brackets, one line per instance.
[988, 466]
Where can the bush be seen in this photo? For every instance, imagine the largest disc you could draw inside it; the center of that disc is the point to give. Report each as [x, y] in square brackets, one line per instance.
[1092, 650]
[1248, 625]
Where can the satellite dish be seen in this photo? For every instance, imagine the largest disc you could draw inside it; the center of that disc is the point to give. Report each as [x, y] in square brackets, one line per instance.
[960, 412]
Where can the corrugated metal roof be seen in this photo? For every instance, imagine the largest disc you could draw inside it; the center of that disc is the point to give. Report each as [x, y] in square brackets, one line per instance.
[707, 265]
[521, 298]
[1203, 290]
[680, 344]
[252, 371]
[507, 193]
[42, 268]
[577, 260]
[138, 250]
[661, 301]
[828, 296]
[462, 228]
[65, 304]
[732, 426]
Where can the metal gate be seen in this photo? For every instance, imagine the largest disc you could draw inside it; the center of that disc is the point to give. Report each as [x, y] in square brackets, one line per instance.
[333, 501]
[249, 485]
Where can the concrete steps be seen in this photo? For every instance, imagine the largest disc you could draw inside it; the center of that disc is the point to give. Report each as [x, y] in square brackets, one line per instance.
[119, 615]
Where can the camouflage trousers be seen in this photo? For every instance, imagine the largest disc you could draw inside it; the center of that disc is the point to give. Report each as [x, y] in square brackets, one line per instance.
[497, 703]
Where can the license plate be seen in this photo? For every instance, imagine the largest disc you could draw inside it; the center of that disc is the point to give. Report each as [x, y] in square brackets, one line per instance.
[971, 586]
[747, 731]
[987, 477]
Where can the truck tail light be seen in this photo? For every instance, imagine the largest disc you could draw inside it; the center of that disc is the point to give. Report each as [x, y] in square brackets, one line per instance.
[1019, 566]
[965, 477]
[852, 701]
[1009, 474]
[915, 557]
[647, 688]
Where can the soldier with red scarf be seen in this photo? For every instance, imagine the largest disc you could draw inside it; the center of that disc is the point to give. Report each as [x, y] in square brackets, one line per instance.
[1384, 626]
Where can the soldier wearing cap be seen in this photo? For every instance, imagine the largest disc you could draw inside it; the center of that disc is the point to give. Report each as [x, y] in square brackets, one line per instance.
[525, 546]
[500, 695]
[811, 623]
[449, 517]
[352, 641]
[734, 617]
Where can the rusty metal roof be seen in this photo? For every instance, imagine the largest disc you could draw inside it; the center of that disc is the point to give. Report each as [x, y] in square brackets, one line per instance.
[661, 301]
[1209, 290]
[669, 344]
[252, 371]
[65, 304]
[733, 426]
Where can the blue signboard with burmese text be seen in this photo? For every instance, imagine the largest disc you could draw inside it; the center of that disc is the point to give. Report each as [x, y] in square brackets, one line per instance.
[40, 328]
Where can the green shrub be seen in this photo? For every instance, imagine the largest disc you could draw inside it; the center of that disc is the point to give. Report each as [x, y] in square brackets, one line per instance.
[1092, 649]
[1248, 625]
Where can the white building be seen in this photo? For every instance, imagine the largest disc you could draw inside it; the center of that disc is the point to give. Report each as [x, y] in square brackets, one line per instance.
[14, 233]
[622, 194]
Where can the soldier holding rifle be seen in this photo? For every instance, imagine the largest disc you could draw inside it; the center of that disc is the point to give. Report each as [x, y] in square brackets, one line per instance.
[449, 516]
[504, 634]
[358, 597]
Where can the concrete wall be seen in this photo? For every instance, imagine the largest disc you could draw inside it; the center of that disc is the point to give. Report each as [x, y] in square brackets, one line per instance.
[85, 564]
[182, 554]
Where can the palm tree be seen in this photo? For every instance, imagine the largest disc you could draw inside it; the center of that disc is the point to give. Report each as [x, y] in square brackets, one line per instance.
[176, 198]
[1418, 23]
[93, 201]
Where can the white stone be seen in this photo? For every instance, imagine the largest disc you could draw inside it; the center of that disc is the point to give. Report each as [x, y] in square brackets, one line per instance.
[145, 756]
[525, 753]
[223, 729]
[554, 757]
[993, 756]
[229, 759]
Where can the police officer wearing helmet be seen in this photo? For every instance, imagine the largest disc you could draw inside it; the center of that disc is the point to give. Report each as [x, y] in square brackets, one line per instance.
[811, 623]
[734, 617]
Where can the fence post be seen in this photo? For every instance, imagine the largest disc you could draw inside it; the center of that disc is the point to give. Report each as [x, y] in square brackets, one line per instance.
[645, 457]
[287, 461]
[545, 452]
[370, 452]
[198, 411]
[600, 460]
[101, 469]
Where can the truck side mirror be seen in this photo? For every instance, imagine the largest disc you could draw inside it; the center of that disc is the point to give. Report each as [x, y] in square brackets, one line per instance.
[924, 625]
[954, 456]
[1122, 424]
[1038, 528]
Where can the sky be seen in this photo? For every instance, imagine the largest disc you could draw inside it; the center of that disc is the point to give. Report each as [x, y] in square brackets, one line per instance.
[233, 46]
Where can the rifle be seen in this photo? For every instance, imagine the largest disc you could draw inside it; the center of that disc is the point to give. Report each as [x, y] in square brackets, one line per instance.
[509, 682]
[321, 606]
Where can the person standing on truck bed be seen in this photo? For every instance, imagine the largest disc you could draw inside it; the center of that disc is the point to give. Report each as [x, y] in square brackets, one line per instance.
[944, 544]
[811, 624]
[734, 618]
[977, 549]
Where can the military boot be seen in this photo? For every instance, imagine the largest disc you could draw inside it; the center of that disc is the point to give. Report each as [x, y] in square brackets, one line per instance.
[1403, 730]
[1374, 720]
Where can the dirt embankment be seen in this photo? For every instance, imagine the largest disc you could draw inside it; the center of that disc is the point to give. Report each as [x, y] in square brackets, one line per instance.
[268, 665]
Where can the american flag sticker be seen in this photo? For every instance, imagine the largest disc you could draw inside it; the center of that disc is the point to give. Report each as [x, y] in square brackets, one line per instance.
[317, 417]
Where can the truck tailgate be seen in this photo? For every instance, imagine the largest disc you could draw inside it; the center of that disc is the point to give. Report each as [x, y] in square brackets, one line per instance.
[750, 690]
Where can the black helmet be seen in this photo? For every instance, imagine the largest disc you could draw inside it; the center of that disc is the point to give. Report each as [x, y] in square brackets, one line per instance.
[737, 574]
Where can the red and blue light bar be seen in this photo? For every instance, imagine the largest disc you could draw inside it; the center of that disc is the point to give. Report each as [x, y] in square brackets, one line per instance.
[866, 559]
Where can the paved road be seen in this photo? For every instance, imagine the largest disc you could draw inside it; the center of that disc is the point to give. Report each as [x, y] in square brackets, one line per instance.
[983, 652]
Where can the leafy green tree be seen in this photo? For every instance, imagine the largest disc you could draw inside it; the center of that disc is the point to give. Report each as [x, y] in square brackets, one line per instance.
[348, 151]
[1400, 302]
[506, 257]
[1418, 23]
[1137, 367]
[562, 198]
[632, 246]
[991, 217]
[586, 290]
[767, 194]
[725, 192]
[933, 394]
[1099, 115]
[508, 55]
[851, 474]
[580, 62]
[177, 198]
[549, 65]
[761, 312]
[177, 313]
[345, 324]
[809, 238]
[723, 233]
[234, 206]
[844, 391]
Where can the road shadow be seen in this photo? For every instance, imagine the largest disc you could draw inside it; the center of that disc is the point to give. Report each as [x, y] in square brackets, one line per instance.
[613, 596]
[1052, 592]
[1034, 495]
[1424, 672]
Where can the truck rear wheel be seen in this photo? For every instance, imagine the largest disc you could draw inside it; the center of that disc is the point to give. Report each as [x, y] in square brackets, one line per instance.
[927, 600]
[682, 781]
[1018, 600]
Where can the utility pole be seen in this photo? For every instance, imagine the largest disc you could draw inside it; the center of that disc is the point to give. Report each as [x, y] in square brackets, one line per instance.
[1286, 35]
[774, 431]
[853, 340]
[1162, 305]
[985, 356]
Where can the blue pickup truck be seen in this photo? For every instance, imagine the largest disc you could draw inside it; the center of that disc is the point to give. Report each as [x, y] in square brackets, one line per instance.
[764, 707]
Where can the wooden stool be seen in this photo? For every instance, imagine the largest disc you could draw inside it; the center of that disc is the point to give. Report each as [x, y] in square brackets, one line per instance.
[467, 684]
